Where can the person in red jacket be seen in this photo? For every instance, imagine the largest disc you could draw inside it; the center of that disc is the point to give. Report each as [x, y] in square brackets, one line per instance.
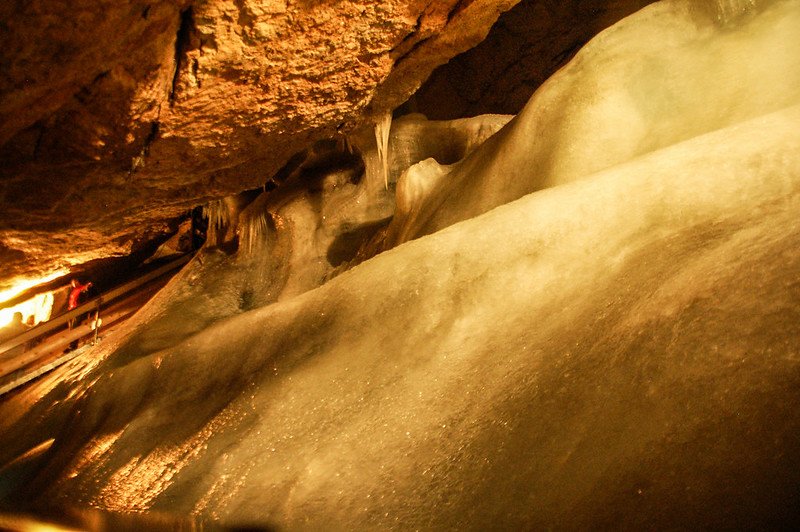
[75, 292]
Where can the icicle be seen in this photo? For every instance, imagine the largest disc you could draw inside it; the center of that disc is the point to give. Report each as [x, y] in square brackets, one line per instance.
[219, 216]
[382, 129]
[347, 145]
[252, 231]
[253, 225]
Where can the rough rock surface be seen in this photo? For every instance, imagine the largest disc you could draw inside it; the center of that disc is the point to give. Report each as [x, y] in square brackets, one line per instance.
[116, 117]
[525, 47]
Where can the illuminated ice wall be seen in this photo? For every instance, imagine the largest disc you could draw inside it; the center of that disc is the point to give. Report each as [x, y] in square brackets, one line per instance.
[590, 320]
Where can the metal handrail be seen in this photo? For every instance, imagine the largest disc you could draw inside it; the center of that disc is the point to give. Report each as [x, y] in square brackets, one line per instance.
[94, 304]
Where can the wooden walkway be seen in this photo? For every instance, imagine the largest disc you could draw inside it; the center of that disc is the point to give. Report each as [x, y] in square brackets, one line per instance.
[47, 346]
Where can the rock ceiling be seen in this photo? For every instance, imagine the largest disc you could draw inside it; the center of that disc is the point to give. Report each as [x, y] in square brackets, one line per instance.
[115, 118]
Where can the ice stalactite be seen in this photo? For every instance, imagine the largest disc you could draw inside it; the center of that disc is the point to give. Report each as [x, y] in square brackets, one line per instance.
[253, 226]
[382, 130]
[414, 138]
[223, 219]
[252, 231]
[219, 219]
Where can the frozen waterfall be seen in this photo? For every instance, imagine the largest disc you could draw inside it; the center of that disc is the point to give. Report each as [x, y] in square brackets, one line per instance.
[588, 319]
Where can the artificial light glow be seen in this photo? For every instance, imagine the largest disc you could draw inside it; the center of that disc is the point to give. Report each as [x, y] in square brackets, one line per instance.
[25, 284]
[39, 306]
[26, 524]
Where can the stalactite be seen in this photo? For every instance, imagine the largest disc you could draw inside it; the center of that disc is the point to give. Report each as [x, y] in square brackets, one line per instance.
[252, 230]
[219, 218]
[382, 129]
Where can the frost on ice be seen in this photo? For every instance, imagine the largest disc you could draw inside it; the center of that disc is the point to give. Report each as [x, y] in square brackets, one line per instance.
[592, 320]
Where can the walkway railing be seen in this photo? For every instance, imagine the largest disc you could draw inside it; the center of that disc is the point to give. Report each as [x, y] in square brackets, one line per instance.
[93, 306]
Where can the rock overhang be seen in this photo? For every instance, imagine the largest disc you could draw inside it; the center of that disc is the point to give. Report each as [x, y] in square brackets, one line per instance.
[117, 119]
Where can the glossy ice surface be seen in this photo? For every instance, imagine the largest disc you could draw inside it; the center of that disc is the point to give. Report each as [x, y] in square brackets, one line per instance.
[619, 346]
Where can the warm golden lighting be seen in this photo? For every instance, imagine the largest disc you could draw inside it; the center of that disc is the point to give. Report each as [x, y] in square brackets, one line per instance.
[30, 282]
[39, 306]
[27, 524]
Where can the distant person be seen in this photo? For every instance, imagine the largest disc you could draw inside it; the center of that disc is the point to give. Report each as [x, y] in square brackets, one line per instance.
[17, 322]
[12, 330]
[76, 291]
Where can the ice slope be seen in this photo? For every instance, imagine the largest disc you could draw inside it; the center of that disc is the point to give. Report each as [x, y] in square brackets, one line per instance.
[621, 350]
[289, 237]
[613, 362]
[674, 70]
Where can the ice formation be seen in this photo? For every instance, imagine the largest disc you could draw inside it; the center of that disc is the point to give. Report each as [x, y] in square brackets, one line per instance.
[253, 229]
[221, 215]
[409, 140]
[627, 93]
[728, 10]
[382, 130]
[595, 325]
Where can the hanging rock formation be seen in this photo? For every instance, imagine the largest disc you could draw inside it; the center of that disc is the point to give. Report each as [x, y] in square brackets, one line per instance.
[116, 117]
